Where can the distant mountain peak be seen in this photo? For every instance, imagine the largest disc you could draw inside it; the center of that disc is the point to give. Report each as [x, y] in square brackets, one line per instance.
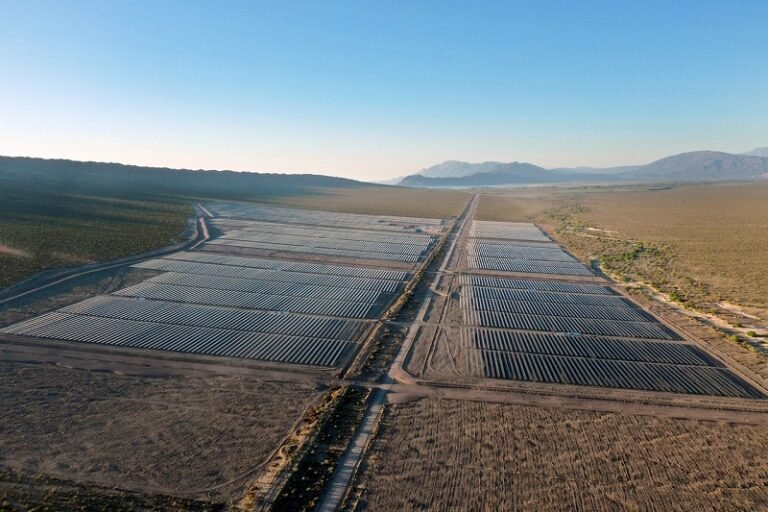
[703, 166]
[761, 152]
[459, 169]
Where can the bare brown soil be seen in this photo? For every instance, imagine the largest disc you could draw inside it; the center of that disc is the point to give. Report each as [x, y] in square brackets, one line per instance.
[197, 436]
[435, 454]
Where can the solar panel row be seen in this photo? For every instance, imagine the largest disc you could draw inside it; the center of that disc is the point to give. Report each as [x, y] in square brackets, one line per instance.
[180, 338]
[531, 284]
[291, 266]
[341, 250]
[624, 349]
[544, 323]
[198, 315]
[700, 380]
[528, 266]
[506, 230]
[314, 217]
[272, 288]
[283, 276]
[232, 228]
[249, 300]
[556, 309]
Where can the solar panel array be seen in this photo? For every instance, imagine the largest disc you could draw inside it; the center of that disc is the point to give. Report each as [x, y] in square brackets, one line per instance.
[269, 309]
[326, 241]
[318, 218]
[578, 333]
[292, 266]
[519, 248]
[615, 374]
[507, 231]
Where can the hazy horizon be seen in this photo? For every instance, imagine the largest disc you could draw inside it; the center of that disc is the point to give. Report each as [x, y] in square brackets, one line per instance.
[373, 91]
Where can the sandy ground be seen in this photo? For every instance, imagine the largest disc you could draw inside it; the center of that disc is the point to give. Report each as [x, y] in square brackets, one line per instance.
[199, 435]
[464, 455]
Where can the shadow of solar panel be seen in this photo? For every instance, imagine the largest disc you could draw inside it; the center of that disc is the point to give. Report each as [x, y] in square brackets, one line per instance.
[698, 380]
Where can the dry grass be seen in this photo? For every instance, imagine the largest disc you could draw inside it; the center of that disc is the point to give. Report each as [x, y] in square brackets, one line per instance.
[718, 234]
[408, 202]
[458, 455]
[152, 434]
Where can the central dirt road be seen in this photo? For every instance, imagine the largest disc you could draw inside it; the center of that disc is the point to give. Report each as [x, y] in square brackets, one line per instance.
[350, 462]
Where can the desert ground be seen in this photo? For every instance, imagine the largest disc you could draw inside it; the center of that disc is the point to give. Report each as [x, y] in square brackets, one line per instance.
[141, 429]
[465, 455]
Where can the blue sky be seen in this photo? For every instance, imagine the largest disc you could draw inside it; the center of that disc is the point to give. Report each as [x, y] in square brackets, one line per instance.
[380, 89]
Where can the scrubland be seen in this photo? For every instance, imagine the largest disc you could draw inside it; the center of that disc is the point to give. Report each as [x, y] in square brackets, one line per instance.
[50, 230]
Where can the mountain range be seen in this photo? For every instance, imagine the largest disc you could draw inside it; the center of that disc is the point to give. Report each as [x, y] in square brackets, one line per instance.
[692, 166]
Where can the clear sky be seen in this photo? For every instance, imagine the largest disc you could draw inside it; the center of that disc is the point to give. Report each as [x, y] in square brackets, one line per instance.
[379, 89]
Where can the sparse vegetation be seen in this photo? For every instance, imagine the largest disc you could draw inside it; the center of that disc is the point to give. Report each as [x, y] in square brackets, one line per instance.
[51, 230]
[185, 434]
[304, 488]
[22, 492]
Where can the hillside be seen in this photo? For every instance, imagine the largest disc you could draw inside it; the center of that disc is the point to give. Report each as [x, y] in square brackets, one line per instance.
[63, 213]
[118, 180]
[703, 166]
